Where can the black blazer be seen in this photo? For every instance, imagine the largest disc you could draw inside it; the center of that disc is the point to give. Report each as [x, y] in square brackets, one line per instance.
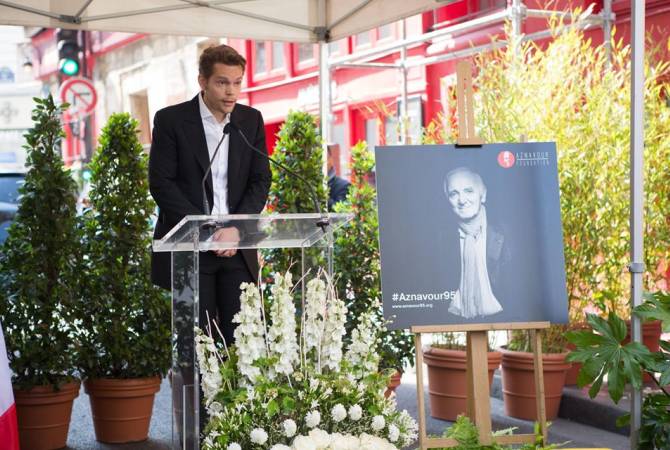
[177, 163]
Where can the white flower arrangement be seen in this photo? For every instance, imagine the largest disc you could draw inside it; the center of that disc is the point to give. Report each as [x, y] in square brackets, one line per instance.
[279, 388]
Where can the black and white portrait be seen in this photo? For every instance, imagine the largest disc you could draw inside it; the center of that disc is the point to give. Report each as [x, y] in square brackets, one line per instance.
[470, 235]
[476, 246]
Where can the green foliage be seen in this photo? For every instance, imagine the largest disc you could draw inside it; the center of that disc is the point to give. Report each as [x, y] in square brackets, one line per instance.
[569, 92]
[298, 148]
[603, 352]
[357, 261]
[553, 340]
[125, 320]
[39, 264]
[467, 436]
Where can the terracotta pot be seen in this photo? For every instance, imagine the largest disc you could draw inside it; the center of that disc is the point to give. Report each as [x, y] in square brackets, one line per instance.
[518, 383]
[447, 381]
[44, 416]
[394, 382]
[122, 408]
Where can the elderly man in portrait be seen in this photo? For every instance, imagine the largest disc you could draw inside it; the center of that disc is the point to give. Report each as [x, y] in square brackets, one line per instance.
[478, 254]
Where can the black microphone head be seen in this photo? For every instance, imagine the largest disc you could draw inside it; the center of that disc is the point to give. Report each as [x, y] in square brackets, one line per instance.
[231, 127]
[227, 128]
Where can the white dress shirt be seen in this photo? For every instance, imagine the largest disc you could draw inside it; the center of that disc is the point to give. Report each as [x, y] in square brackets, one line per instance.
[213, 132]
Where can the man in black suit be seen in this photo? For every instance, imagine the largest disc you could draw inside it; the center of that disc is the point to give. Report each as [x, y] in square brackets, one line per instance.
[185, 137]
[477, 251]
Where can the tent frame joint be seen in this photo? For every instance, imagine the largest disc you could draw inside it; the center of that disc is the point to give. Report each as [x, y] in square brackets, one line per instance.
[70, 19]
[322, 34]
[636, 267]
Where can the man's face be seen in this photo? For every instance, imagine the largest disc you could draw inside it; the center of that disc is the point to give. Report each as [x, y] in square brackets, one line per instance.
[465, 195]
[222, 88]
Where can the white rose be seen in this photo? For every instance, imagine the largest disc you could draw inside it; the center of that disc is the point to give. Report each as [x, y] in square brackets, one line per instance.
[378, 423]
[258, 436]
[234, 446]
[394, 433]
[312, 419]
[289, 428]
[339, 413]
[355, 412]
[320, 438]
[303, 443]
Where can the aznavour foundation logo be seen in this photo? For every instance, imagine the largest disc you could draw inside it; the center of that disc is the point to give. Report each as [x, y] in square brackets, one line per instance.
[506, 159]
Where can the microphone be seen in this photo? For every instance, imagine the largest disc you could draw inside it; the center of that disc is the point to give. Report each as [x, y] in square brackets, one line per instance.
[205, 202]
[323, 222]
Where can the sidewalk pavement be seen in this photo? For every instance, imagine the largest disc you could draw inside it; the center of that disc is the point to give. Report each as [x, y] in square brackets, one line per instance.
[574, 434]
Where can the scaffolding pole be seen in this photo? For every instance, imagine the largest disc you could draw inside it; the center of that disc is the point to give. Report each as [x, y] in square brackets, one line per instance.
[636, 266]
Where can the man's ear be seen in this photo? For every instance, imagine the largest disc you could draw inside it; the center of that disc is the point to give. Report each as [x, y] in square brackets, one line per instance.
[202, 81]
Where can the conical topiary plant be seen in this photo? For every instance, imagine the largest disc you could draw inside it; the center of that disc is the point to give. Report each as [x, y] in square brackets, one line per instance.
[299, 149]
[40, 262]
[125, 319]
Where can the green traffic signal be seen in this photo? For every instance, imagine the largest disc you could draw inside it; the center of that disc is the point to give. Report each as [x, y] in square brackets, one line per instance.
[68, 66]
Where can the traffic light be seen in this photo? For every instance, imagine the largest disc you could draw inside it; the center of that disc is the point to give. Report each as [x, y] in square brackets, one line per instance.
[68, 51]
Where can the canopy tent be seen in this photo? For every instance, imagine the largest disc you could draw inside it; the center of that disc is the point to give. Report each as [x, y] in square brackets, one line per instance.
[280, 20]
[322, 21]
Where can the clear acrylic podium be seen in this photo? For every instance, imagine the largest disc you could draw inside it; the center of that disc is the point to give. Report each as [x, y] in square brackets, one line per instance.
[194, 234]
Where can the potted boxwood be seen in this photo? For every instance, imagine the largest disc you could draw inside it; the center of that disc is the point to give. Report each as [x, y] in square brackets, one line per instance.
[446, 360]
[518, 379]
[357, 263]
[39, 267]
[125, 332]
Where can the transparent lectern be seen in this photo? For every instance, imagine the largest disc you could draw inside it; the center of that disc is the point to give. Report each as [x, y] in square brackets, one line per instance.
[190, 237]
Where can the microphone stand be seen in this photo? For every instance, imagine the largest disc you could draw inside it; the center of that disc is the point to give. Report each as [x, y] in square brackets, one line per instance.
[323, 221]
[211, 224]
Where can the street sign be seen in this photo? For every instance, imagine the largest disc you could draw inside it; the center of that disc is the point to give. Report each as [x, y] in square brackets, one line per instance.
[81, 95]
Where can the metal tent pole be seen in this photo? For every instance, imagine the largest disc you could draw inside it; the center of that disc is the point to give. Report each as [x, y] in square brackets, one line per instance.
[636, 266]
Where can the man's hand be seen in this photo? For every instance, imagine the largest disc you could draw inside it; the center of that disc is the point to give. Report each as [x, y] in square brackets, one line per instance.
[228, 235]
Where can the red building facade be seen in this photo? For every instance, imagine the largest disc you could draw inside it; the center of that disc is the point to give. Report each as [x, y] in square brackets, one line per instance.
[365, 101]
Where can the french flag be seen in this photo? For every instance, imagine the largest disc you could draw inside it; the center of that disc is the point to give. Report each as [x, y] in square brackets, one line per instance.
[9, 432]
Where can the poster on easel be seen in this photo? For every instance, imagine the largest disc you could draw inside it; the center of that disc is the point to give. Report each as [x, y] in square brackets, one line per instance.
[470, 236]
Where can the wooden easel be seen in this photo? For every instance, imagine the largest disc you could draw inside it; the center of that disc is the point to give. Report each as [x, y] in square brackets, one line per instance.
[478, 406]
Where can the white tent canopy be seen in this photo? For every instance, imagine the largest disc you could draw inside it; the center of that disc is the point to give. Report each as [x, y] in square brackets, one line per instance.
[282, 20]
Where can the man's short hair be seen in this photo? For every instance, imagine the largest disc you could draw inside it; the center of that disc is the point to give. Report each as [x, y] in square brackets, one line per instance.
[221, 54]
[475, 176]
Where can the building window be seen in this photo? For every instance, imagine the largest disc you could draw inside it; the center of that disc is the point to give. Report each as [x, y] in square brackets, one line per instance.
[371, 133]
[363, 39]
[277, 55]
[385, 31]
[305, 52]
[259, 58]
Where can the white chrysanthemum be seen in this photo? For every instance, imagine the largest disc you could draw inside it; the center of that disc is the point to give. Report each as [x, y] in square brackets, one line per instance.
[320, 438]
[282, 337]
[303, 443]
[312, 419]
[394, 433]
[355, 412]
[339, 413]
[234, 446]
[331, 344]
[344, 442]
[290, 428]
[369, 442]
[250, 333]
[280, 447]
[314, 315]
[378, 423]
[258, 436]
